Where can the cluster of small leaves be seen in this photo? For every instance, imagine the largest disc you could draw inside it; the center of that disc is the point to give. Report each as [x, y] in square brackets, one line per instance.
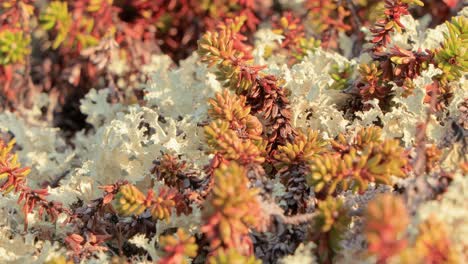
[233, 109]
[77, 26]
[341, 76]
[397, 65]
[407, 65]
[13, 178]
[328, 18]
[394, 10]
[230, 146]
[131, 201]
[14, 47]
[11, 172]
[85, 246]
[234, 134]
[370, 84]
[175, 172]
[452, 57]
[387, 239]
[390, 64]
[384, 235]
[57, 16]
[401, 66]
[329, 226]
[432, 244]
[367, 158]
[14, 38]
[292, 162]
[180, 174]
[327, 167]
[225, 49]
[305, 147]
[177, 249]
[178, 24]
[90, 225]
[227, 215]
[75, 41]
[235, 137]
[329, 14]
[97, 226]
[295, 41]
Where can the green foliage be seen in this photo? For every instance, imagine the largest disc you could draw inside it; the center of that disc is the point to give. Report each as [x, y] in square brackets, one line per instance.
[177, 248]
[370, 81]
[324, 170]
[333, 220]
[68, 32]
[14, 46]
[162, 204]
[218, 46]
[226, 142]
[365, 159]
[221, 48]
[304, 149]
[57, 17]
[305, 46]
[233, 109]
[295, 40]
[363, 138]
[228, 216]
[341, 76]
[131, 201]
[452, 57]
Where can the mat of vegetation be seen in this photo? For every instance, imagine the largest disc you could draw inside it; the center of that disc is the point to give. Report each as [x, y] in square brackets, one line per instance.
[183, 131]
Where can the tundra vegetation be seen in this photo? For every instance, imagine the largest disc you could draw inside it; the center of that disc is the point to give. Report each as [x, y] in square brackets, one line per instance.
[251, 131]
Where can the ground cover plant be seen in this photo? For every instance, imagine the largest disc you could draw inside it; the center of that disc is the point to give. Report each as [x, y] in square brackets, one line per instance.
[180, 131]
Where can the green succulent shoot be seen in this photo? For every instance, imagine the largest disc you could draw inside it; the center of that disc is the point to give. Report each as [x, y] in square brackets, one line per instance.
[452, 58]
[331, 222]
[305, 45]
[341, 76]
[57, 16]
[367, 159]
[14, 46]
